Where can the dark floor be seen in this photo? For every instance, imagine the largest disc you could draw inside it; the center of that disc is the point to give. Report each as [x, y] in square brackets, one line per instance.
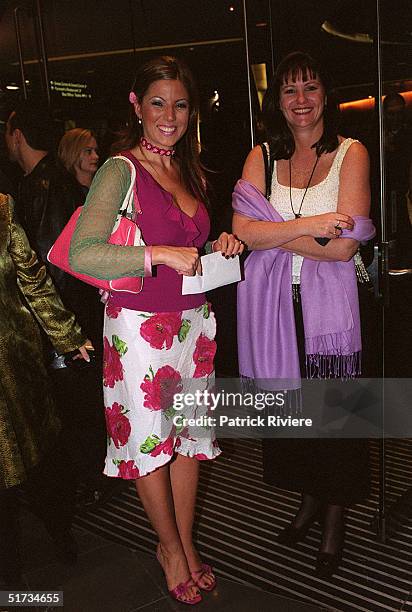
[109, 577]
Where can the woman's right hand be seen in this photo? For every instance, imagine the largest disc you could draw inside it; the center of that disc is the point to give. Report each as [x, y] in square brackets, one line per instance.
[328, 225]
[182, 259]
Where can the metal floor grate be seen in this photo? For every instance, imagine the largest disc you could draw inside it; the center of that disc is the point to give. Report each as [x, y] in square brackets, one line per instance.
[239, 516]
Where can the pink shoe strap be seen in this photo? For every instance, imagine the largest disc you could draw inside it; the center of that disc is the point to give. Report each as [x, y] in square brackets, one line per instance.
[205, 568]
[181, 589]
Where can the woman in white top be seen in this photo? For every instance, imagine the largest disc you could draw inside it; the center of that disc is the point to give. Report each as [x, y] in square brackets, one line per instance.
[318, 186]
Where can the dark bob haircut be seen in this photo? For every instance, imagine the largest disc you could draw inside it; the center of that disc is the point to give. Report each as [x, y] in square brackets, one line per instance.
[280, 138]
[188, 148]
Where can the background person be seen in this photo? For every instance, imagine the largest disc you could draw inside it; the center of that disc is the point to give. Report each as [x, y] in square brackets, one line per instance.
[47, 196]
[155, 339]
[319, 188]
[398, 157]
[79, 155]
[30, 450]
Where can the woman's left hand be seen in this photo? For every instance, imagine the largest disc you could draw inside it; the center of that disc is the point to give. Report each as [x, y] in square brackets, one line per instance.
[229, 245]
[84, 351]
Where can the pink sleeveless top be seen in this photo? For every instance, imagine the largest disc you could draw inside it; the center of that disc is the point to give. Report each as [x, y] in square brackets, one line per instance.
[162, 223]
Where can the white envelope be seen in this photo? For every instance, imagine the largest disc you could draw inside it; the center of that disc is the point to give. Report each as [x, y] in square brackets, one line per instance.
[216, 272]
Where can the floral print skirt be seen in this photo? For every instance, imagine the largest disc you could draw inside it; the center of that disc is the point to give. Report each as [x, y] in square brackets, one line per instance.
[148, 359]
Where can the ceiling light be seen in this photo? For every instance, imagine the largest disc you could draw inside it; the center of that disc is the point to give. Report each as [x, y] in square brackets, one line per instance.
[355, 21]
[12, 86]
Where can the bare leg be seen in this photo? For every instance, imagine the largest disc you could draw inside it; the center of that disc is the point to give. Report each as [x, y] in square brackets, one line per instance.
[184, 476]
[155, 493]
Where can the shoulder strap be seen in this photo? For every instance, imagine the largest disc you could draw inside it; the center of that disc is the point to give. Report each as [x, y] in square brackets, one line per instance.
[343, 148]
[131, 200]
[269, 164]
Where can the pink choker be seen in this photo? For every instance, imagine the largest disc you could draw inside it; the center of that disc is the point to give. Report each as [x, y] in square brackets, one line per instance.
[148, 145]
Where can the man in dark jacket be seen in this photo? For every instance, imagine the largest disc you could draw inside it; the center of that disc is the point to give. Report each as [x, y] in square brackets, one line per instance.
[46, 198]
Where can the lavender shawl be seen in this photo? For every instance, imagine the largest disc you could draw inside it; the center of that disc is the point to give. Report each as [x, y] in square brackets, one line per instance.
[267, 344]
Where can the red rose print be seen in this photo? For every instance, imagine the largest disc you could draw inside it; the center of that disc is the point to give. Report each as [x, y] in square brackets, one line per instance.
[112, 366]
[185, 434]
[166, 447]
[161, 328]
[128, 470]
[113, 311]
[203, 356]
[159, 390]
[118, 425]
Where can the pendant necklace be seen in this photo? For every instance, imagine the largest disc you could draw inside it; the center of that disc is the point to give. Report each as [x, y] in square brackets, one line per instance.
[298, 214]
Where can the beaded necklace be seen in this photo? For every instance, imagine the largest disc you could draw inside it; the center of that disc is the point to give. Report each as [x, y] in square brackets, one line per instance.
[154, 149]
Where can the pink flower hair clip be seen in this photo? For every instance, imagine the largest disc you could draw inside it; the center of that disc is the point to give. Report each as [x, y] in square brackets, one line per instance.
[132, 97]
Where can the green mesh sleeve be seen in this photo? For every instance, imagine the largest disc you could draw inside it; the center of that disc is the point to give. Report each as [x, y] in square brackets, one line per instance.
[89, 251]
[208, 247]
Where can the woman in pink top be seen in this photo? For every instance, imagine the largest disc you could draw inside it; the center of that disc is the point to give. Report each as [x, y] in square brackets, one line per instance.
[159, 342]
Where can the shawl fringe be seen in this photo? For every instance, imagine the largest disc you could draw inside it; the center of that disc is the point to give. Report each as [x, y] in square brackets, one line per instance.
[293, 397]
[344, 367]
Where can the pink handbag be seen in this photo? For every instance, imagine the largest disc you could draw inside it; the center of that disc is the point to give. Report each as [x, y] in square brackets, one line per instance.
[125, 232]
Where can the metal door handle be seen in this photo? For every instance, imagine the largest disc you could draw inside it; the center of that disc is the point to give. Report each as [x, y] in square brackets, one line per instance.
[400, 272]
[20, 49]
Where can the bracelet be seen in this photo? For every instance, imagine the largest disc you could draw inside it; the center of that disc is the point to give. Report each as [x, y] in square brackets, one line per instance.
[148, 261]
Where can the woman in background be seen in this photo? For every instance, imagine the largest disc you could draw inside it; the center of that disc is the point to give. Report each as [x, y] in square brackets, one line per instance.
[79, 155]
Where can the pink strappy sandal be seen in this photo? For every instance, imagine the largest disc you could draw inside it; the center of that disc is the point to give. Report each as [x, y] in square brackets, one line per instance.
[181, 589]
[197, 576]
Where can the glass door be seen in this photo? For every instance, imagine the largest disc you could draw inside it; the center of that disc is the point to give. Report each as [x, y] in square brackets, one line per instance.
[367, 49]
[396, 261]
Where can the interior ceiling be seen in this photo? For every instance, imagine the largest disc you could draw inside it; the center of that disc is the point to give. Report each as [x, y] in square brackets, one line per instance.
[76, 26]
[351, 18]
[101, 33]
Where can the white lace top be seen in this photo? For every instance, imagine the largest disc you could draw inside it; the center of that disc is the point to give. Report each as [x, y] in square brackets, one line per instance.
[320, 198]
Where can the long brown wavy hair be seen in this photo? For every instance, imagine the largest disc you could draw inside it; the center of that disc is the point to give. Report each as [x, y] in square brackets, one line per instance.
[188, 147]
